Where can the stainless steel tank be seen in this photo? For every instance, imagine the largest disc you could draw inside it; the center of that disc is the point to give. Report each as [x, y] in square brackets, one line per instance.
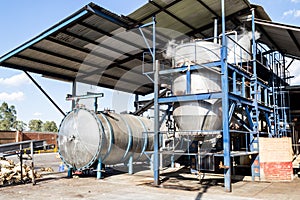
[85, 137]
[204, 114]
[197, 52]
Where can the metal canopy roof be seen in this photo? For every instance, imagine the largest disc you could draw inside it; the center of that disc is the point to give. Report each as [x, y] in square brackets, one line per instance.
[281, 37]
[86, 47]
[98, 47]
[194, 18]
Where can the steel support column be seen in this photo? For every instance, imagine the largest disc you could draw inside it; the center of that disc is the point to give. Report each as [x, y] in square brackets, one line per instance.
[254, 134]
[73, 94]
[99, 169]
[70, 172]
[130, 165]
[156, 108]
[225, 106]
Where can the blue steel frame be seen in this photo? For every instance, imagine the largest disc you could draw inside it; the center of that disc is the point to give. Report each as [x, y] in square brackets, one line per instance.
[156, 96]
[225, 105]
[237, 97]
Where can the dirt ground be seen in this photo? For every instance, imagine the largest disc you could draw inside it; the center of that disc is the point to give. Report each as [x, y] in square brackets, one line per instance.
[176, 184]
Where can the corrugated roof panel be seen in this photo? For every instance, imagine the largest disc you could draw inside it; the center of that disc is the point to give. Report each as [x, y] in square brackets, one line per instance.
[232, 6]
[41, 67]
[143, 12]
[70, 39]
[190, 12]
[100, 49]
[77, 54]
[101, 23]
[166, 21]
[281, 37]
[30, 53]
[78, 30]
[297, 36]
[60, 49]
[128, 74]
[121, 46]
[134, 64]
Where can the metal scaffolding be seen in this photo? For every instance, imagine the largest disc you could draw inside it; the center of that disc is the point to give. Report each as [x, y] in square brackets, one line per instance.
[243, 90]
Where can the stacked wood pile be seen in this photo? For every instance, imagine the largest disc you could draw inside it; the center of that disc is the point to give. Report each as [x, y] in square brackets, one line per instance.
[10, 173]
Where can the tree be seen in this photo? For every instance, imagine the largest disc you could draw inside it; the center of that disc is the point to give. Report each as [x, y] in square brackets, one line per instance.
[19, 125]
[50, 126]
[7, 116]
[35, 125]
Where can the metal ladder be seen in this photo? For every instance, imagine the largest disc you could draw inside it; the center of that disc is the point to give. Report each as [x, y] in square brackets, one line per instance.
[254, 134]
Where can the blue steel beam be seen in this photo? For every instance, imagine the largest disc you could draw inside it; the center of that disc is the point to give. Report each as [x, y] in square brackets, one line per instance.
[231, 110]
[193, 97]
[192, 68]
[246, 75]
[248, 102]
[108, 17]
[225, 105]
[249, 117]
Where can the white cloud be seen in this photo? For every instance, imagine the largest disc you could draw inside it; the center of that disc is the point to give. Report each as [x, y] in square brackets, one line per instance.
[297, 13]
[295, 1]
[37, 114]
[15, 96]
[294, 13]
[289, 12]
[16, 80]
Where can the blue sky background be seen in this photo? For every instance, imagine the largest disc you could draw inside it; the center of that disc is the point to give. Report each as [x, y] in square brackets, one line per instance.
[22, 20]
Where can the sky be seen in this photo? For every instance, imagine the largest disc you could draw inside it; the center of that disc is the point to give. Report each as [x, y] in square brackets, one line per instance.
[21, 20]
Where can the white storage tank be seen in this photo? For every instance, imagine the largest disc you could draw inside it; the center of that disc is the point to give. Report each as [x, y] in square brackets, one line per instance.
[204, 114]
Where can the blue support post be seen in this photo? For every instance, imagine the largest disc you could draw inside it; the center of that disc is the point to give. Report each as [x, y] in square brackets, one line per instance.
[156, 109]
[70, 172]
[225, 106]
[254, 146]
[188, 81]
[99, 169]
[266, 98]
[172, 161]
[74, 87]
[231, 111]
[234, 82]
[243, 87]
[130, 165]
